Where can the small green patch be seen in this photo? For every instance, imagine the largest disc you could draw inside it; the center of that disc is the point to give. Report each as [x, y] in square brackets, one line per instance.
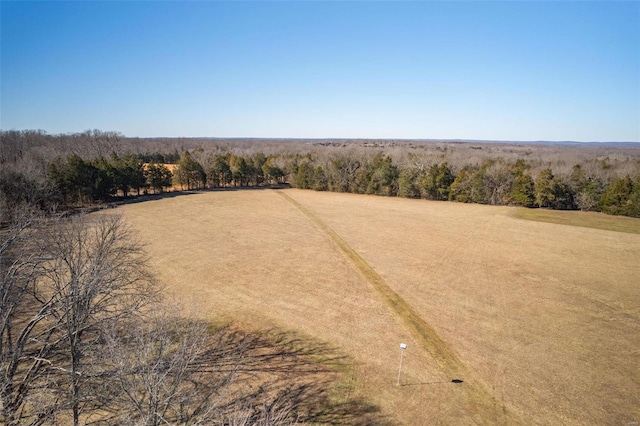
[583, 219]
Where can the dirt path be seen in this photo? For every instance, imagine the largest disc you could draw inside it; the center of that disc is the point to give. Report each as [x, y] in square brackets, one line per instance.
[480, 398]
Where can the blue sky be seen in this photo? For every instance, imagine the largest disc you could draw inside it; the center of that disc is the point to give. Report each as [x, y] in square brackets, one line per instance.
[450, 70]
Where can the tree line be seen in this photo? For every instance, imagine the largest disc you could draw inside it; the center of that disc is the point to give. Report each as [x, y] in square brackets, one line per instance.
[228, 170]
[75, 182]
[435, 172]
[494, 182]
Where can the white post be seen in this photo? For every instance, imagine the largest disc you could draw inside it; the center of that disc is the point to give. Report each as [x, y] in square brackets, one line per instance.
[403, 346]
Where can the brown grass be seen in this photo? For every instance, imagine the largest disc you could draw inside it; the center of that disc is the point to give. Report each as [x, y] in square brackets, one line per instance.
[584, 219]
[541, 320]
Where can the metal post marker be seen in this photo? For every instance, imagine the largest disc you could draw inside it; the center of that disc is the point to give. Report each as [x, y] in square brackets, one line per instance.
[403, 346]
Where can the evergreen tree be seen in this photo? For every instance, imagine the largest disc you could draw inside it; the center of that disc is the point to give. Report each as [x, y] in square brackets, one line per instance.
[105, 186]
[319, 179]
[304, 176]
[523, 190]
[74, 179]
[523, 187]
[436, 184]
[271, 171]
[634, 198]
[564, 197]
[553, 192]
[381, 176]
[408, 183]
[622, 197]
[589, 194]
[190, 173]
[462, 187]
[158, 177]
[587, 189]
[257, 162]
[478, 188]
[219, 172]
[544, 188]
[128, 173]
[240, 170]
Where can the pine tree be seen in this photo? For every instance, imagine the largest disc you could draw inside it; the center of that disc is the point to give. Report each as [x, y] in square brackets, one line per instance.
[622, 197]
[544, 188]
[190, 173]
[522, 192]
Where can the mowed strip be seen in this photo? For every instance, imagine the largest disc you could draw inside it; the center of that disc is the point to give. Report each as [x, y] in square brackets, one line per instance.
[545, 315]
[447, 359]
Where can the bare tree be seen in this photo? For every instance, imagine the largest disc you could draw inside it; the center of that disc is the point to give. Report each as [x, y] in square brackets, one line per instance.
[97, 272]
[63, 281]
[497, 181]
[27, 336]
[171, 368]
[160, 371]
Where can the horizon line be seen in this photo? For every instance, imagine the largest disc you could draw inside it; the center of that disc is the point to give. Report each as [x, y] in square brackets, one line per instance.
[338, 138]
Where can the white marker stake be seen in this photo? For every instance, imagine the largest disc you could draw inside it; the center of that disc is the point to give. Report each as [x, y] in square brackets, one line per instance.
[403, 346]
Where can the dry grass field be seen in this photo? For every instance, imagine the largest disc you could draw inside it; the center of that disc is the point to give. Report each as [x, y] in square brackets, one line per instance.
[540, 320]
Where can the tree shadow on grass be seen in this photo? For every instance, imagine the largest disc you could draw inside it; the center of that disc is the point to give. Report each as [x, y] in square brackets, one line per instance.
[133, 199]
[180, 371]
[280, 374]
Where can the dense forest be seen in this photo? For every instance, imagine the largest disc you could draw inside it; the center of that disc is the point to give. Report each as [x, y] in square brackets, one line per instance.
[73, 170]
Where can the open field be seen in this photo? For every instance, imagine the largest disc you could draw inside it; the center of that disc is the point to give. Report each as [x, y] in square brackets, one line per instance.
[541, 320]
[584, 219]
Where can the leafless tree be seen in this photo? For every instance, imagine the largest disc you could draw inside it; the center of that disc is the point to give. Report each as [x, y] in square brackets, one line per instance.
[168, 368]
[27, 334]
[97, 272]
[158, 371]
[63, 281]
[171, 368]
[497, 181]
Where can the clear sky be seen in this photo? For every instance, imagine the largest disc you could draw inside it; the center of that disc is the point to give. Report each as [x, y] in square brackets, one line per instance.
[452, 70]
